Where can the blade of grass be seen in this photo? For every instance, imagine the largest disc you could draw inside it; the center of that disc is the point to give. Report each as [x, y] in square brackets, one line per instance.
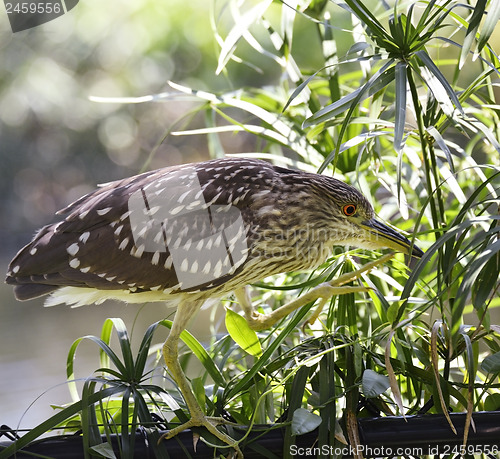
[442, 145]
[55, 420]
[443, 82]
[144, 414]
[374, 27]
[144, 349]
[90, 430]
[392, 375]
[242, 24]
[374, 80]
[125, 437]
[471, 374]
[470, 35]
[449, 234]
[435, 366]
[489, 25]
[470, 278]
[125, 345]
[294, 402]
[378, 81]
[400, 114]
[105, 348]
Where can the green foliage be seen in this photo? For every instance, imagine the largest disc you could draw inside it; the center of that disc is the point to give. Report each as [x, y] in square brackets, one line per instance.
[114, 400]
[419, 136]
[242, 334]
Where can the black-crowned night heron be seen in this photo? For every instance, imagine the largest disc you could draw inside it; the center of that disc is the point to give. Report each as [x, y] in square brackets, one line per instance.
[197, 231]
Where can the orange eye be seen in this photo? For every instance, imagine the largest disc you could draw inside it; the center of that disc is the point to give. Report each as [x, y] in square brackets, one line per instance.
[349, 210]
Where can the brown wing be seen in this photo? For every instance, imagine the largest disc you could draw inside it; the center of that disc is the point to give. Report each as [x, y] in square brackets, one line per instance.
[181, 228]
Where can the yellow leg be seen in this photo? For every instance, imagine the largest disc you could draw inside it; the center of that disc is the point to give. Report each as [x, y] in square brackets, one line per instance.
[326, 290]
[170, 353]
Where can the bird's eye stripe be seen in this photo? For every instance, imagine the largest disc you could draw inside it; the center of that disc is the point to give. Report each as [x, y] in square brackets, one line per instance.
[349, 210]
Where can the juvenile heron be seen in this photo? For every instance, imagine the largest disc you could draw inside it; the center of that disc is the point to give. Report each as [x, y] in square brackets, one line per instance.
[188, 233]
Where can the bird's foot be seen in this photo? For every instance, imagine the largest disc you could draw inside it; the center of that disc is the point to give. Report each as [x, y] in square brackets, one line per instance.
[210, 424]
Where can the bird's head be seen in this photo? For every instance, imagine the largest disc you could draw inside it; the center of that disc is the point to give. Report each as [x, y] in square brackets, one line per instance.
[352, 221]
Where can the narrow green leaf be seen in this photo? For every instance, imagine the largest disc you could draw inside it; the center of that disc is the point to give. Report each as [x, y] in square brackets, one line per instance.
[401, 80]
[484, 61]
[377, 82]
[486, 282]
[358, 47]
[104, 450]
[300, 88]
[374, 81]
[295, 399]
[451, 181]
[469, 360]
[396, 25]
[354, 142]
[484, 129]
[215, 146]
[125, 344]
[430, 252]
[283, 131]
[158, 449]
[326, 394]
[475, 20]
[374, 27]
[55, 420]
[105, 348]
[468, 281]
[90, 430]
[393, 382]
[423, 21]
[409, 30]
[144, 348]
[442, 145]
[242, 334]
[200, 353]
[107, 329]
[489, 25]
[401, 84]
[241, 26]
[443, 82]
[199, 392]
[70, 371]
[393, 312]
[124, 422]
[486, 183]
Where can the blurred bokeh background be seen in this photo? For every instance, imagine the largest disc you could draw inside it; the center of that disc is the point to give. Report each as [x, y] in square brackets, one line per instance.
[56, 144]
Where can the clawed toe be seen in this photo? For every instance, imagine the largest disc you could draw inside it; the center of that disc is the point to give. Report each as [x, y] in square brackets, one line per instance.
[210, 423]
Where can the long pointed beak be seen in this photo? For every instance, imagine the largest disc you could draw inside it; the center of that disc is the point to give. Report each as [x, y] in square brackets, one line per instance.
[384, 236]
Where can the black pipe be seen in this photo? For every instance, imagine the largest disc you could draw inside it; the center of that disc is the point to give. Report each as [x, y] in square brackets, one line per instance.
[417, 435]
[432, 434]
